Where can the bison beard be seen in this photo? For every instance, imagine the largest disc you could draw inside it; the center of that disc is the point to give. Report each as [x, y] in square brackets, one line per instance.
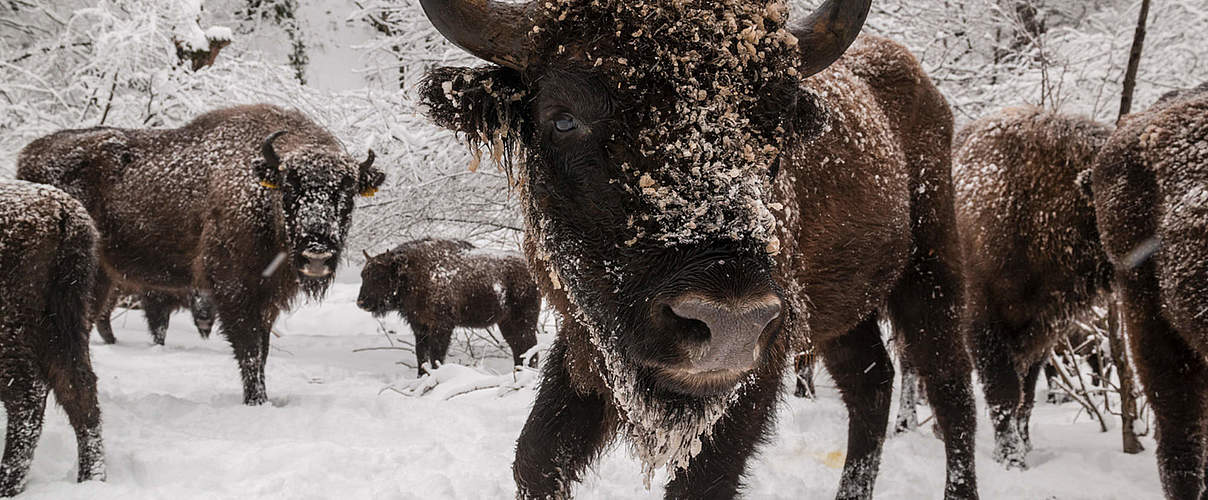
[696, 209]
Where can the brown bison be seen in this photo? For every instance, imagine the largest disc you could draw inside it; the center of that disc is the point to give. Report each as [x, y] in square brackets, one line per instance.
[1151, 197]
[1031, 248]
[438, 285]
[705, 193]
[158, 307]
[250, 204]
[48, 254]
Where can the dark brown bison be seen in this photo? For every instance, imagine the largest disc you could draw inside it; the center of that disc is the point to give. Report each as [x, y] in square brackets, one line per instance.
[438, 285]
[250, 204]
[158, 307]
[1151, 197]
[48, 254]
[1031, 248]
[698, 207]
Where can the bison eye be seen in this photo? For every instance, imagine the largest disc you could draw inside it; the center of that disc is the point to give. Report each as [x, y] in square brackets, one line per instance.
[565, 123]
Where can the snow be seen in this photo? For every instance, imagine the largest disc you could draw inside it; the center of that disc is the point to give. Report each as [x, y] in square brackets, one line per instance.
[175, 428]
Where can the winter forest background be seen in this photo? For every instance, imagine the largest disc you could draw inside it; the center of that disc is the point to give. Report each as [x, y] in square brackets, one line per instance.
[353, 65]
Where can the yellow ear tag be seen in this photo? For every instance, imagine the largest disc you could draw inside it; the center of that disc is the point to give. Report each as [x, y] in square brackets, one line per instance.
[369, 192]
[269, 185]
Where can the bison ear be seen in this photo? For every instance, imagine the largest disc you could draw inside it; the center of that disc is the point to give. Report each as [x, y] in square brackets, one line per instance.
[369, 178]
[268, 167]
[486, 105]
[810, 117]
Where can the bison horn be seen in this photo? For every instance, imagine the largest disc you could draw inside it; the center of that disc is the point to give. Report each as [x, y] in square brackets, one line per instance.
[491, 30]
[369, 161]
[828, 31]
[270, 155]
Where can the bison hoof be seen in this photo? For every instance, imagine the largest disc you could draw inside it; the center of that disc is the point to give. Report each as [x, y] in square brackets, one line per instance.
[1011, 456]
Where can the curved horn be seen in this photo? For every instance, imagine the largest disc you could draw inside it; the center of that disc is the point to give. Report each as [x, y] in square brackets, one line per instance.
[270, 155]
[366, 252]
[828, 31]
[490, 30]
[368, 161]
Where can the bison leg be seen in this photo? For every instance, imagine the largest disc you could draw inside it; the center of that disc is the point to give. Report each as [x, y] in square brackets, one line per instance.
[908, 399]
[246, 327]
[716, 471]
[105, 299]
[863, 372]
[1029, 402]
[23, 391]
[1175, 377]
[521, 335]
[74, 385]
[423, 340]
[564, 433]
[1004, 390]
[438, 344]
[926, 307]
[158, 307]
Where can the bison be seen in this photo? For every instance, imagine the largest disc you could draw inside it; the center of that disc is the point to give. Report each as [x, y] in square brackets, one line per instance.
[441, 284]
[1031, 249]
[250, 204]
[705, 192]
[1151, 199]
[48, 254]
[158, 307]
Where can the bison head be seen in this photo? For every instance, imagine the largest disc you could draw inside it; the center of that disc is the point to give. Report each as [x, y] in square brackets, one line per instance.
[382, 282]
[651, 132]
[317, 189]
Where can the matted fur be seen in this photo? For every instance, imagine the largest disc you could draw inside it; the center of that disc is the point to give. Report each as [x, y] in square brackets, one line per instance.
[1151, 199]
[1031, 247]
[185, 208]
[47, 251]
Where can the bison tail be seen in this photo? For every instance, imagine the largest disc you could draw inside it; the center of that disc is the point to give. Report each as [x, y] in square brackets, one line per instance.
[69, 296]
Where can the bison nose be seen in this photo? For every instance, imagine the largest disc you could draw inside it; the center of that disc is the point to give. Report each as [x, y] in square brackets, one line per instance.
[735, 327]
[316, 264]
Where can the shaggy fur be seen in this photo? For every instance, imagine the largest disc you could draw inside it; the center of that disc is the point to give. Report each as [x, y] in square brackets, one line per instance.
[438, 285]
[1151, 198]
[48, 257]
[654, 170]
[1031, 248]
[203, 207]
[158, 307]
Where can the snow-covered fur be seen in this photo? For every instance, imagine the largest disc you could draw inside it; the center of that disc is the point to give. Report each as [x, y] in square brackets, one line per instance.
[1151, 198]
[47, 265]
[675, 149]
[438, 285]
[217, 206]
[158, 307]
[1031, 249]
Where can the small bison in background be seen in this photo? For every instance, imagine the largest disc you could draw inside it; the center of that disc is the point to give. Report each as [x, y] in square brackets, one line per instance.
[438, 285]
[1151, 197]
[1032, 251]
[47, 254]
[158, 308]
[251, 204]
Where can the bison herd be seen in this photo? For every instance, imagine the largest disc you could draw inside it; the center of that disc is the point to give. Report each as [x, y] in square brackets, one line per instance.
[707, 189]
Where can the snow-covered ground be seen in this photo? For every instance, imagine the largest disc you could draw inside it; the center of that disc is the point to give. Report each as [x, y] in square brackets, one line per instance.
[175, 429]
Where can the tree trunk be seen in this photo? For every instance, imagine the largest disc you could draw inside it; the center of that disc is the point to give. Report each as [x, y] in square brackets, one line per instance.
[1128, 387]
[1134, 60]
